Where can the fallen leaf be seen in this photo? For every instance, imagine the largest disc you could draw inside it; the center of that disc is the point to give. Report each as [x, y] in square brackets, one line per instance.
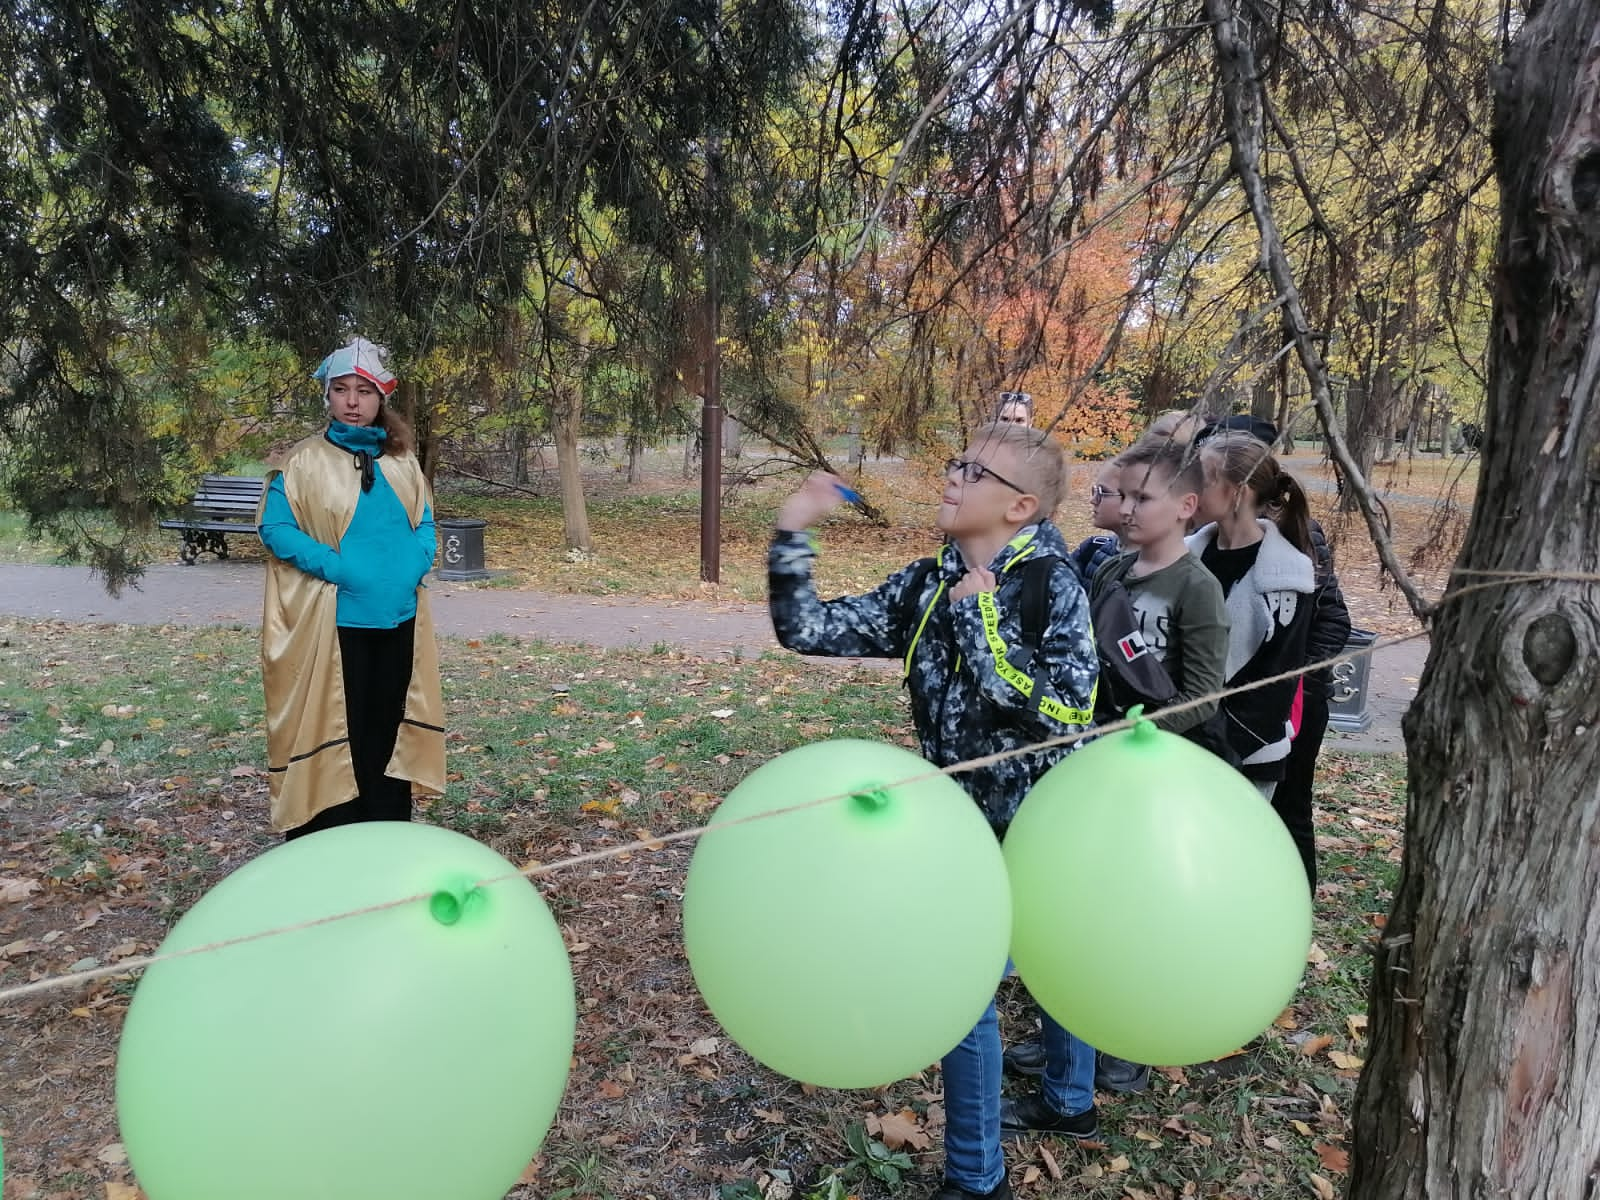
[1271, 1143]
[1050, 1163]
[1314, 1046]
[1316, 955]
[721, 714]
[1335, 1159]
[13, 889]
[705, 1047]
[1345, 1062]
[1323, 1189]
[113, 1155]
[1301, 1128]
[1119, 1163]
[1030, 1174]
[899, 1130]
[122, 1191]
[1356, 1023]
[610, 1090]
[1144, 1135]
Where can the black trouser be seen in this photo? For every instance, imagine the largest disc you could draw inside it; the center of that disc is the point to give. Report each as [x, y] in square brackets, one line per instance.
[1292, 800]
[377, 675]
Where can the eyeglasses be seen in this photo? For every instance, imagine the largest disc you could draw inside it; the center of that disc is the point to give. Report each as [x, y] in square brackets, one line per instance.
[1098, 493]
[972, 472]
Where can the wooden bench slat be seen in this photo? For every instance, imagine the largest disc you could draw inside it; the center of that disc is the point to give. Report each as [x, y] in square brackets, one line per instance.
[221, 505]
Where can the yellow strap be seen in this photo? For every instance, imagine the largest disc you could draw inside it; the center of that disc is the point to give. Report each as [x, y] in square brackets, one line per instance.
[1020, 680]
[905, 670]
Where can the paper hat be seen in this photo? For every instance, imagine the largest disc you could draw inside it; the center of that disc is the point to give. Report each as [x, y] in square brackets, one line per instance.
[361, 358]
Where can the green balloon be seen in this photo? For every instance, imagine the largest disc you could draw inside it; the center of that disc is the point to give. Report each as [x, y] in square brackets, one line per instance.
[855, 942]
[1161, 908]
[414, 1053]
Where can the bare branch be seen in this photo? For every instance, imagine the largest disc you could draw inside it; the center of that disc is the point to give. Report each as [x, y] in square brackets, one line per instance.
[1236, 70]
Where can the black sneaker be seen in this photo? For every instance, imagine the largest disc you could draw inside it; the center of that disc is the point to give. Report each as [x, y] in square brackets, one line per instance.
[1113, 1074]
[1025, 1058]
[949, 1191]
[1031, 1114]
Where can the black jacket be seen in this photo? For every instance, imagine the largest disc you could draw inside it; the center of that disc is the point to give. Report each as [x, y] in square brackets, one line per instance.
[1330, 619]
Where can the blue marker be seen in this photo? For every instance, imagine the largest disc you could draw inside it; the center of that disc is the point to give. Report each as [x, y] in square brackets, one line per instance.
[850, 497]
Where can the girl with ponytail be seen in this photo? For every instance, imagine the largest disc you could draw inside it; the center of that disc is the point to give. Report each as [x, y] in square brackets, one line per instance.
[1256, 540]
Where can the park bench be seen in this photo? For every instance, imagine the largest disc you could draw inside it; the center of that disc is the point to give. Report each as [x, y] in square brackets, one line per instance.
[223, 504]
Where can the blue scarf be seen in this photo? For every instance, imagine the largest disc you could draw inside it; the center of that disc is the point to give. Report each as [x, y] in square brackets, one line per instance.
[365, 442]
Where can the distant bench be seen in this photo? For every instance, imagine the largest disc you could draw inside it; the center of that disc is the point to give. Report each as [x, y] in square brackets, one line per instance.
[223, 504]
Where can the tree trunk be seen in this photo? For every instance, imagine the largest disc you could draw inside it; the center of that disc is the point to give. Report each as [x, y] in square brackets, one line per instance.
[519, 454]
[691, 452]
[1362, 433]
[1485, 1007]
[413, 406]
[566, 413]
[1416, 426]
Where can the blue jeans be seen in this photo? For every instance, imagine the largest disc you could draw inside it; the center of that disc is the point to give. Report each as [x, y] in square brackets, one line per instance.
[973, 1159]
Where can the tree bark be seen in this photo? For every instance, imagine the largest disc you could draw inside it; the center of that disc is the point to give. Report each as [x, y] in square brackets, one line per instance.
[1485, 1007]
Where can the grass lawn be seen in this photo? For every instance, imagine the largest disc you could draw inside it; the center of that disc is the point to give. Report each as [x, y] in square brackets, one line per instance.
[131, 781]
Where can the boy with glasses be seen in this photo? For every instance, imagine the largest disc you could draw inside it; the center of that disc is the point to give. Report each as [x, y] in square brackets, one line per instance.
[1105, 512]
[977, 687]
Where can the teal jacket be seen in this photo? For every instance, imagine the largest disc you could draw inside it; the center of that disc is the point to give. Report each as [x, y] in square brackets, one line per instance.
[380, 559]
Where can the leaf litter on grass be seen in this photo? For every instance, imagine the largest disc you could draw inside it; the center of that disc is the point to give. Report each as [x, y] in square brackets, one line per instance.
[108, 851]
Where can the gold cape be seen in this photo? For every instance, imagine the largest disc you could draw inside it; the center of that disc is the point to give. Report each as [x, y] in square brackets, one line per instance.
[309, 764]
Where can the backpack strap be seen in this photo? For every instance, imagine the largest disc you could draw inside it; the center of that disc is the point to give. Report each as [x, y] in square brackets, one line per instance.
[1035, 612]
[911, 614]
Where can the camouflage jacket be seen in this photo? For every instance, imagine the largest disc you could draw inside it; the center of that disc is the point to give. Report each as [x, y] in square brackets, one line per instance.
[972, 692]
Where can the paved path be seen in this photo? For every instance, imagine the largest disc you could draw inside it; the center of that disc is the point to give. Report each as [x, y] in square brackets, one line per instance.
[229, 593]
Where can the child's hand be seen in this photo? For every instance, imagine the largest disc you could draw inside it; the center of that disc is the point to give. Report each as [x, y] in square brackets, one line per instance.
[818, 495]
[974, 581]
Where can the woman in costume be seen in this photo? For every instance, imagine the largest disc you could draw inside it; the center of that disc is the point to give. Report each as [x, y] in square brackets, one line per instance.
[354, 717]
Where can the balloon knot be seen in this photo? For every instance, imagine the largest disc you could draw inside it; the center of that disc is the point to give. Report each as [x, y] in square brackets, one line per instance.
[1143, 729]
[872, 800]
[449, 904]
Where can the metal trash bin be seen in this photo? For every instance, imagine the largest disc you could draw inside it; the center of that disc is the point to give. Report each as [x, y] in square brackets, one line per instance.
[461, 548]
[1347, 697]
